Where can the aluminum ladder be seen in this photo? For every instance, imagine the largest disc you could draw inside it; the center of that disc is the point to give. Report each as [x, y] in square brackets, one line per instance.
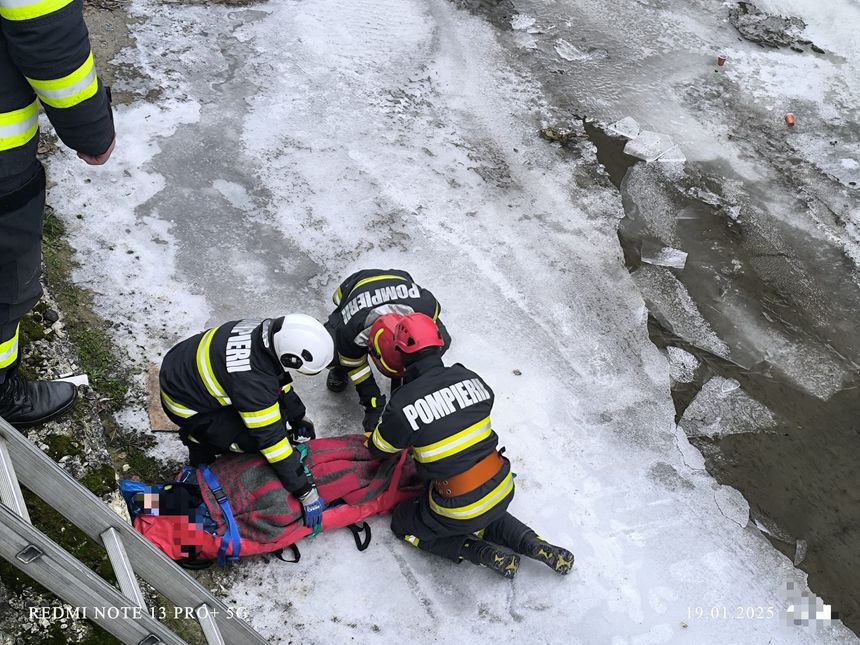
[46, 562]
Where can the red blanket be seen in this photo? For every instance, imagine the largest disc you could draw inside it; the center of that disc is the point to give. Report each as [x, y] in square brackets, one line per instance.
[354, 486]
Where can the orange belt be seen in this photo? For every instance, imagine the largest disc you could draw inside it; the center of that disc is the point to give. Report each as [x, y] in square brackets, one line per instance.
[470, 479]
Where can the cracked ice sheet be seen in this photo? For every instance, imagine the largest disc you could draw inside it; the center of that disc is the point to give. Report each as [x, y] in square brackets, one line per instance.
[332, 136]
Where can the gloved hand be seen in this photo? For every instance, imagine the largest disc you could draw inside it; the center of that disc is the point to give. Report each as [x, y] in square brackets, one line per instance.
[312, 507]
[372, 412]
[301, 430]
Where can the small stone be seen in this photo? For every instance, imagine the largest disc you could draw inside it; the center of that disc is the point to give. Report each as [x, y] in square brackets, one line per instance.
[517, 373]
[126, 468]
[50, 316]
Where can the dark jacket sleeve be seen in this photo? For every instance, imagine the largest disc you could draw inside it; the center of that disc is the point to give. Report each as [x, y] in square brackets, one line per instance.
[391, 435]
[292, 405]
[259, 405]
[49, 44]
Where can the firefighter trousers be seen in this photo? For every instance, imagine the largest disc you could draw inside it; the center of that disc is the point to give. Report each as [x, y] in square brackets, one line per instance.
[22, 204]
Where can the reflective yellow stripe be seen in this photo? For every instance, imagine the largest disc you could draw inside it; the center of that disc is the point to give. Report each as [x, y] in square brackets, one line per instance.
[436, 313]
[278, 452]
[177, 408]
[262, 418]
[475, 509]
[381, 443]
[455, 443]
[360, 374]
[287, 388]
[336, 297]
[375, 278]
[204, 367]
[69, 90]
[414, 541]
[18, 126]
[346, 361]
[379, 355]
[9, 349]
[27, 9]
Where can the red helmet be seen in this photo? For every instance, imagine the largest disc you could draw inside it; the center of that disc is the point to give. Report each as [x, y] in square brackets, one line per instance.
[380, 343]
[416, 332]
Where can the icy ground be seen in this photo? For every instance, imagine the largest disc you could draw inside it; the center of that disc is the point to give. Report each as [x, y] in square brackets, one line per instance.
[294, 142]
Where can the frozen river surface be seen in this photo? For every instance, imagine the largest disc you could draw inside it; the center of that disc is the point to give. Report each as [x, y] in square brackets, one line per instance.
[292, 143]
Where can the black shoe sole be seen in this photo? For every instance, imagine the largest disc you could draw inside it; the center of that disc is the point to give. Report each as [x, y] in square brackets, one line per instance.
[29, 423]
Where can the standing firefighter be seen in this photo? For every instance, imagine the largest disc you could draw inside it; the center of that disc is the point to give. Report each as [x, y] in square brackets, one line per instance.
[229, 390]
[443, 415]
[361, 299]
[44, 53]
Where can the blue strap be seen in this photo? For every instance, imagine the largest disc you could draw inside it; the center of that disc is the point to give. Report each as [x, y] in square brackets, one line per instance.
[231, 534]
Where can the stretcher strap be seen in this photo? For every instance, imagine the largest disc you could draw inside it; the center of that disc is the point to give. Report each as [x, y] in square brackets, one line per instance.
[231, 534]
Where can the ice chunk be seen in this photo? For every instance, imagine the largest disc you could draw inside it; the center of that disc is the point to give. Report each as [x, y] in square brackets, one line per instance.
[689, 453]
[626, 127]
[568, 51]
[682, 365]
[723, 408]
[663, 256]
[521, 21]
[80, 379]
[669, 301]
[673, 155]
[733, 505]
[649, 146]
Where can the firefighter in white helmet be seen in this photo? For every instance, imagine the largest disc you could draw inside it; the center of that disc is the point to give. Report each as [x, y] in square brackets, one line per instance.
[229, 389]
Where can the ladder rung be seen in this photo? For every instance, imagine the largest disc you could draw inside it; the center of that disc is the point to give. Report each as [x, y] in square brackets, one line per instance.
[122, 567]
[10, 491]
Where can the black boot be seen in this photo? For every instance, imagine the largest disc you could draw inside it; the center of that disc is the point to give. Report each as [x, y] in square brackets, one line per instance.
[336, 380]
[24, 403]
[558, 559]
[491, 556]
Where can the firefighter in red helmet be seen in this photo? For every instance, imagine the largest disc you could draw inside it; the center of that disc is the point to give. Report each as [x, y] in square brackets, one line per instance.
[442, 415]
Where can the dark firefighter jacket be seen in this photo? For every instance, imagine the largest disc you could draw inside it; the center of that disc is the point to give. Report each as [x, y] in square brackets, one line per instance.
[45, 53]
[234, 365]
[373, 291]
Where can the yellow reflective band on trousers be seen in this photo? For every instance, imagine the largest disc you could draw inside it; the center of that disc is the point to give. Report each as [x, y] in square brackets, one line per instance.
[448, 446]
[288, 387]
[360, 374]
[18, 126]
[28, 9]
[278, 452]
[375, 278]
[178, 409]
[69, 90]
[346, 361]
[381, 443]
[414, 541]
[262, 418]
[9, 349]
[470, 511]
[204, 368]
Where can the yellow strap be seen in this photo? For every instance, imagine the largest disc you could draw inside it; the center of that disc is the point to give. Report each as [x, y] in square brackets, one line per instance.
[375, 278]
[455, 443]
[381, 443]
[19, 126]
[9, 349]
[69, 90]
[178, 409]
[470, 511]
[18, 10]
[262, 418]
[204, 367]
[278, 452]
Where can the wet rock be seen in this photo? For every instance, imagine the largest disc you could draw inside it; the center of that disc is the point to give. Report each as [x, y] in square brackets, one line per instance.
[50, 316]
[561, 135]
[722, 408]
[769, 30]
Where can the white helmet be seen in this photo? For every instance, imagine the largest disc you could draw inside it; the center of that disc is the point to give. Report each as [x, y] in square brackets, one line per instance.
[303, 344]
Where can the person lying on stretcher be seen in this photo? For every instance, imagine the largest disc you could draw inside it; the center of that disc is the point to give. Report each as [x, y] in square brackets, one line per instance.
[237, 506]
